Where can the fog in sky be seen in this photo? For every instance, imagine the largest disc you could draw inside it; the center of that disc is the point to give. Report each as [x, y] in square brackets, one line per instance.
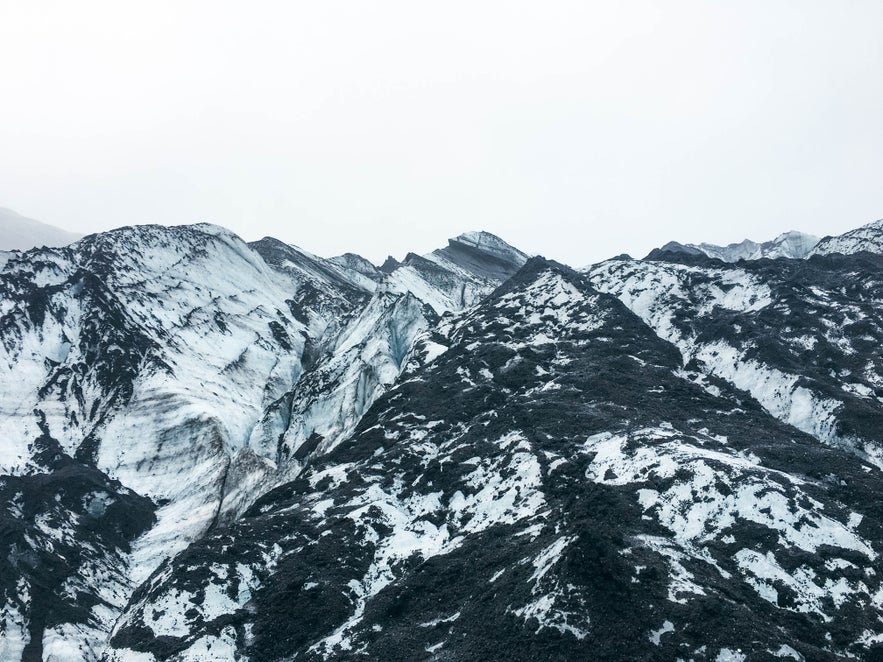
[576, 130]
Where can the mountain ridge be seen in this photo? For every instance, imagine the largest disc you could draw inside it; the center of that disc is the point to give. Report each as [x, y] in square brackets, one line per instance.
[466, 452]
[792, 244]
[868, 238]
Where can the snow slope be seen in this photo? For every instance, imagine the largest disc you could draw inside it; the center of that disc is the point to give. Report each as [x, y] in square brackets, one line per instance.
[799, 341]
[866, 238]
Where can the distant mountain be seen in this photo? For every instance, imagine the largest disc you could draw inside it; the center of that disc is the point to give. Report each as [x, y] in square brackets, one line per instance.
[20, 233]
[868, 238]
[795, 245]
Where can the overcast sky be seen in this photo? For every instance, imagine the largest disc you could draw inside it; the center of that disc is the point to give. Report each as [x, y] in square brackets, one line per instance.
[573, 130]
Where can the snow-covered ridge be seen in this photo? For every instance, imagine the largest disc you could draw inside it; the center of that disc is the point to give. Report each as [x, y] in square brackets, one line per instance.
[463, 452]
[483, 253]
[735, 327]
[793, 245]
[368, 353]
[458, 276]
[867, 238]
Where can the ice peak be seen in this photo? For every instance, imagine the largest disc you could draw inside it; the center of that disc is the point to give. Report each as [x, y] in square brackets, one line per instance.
[479, 239]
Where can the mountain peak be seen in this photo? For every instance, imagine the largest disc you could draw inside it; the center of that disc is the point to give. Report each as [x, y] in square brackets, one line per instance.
[480, 239]
[390, 264]
[356, 263]
[482, 254]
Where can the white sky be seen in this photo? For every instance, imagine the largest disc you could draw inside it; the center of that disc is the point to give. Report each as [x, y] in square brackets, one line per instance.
[574, 130]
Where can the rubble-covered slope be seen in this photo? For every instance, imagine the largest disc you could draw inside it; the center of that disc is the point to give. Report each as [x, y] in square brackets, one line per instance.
[545, 481]
[65, 563]
[802, 338]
